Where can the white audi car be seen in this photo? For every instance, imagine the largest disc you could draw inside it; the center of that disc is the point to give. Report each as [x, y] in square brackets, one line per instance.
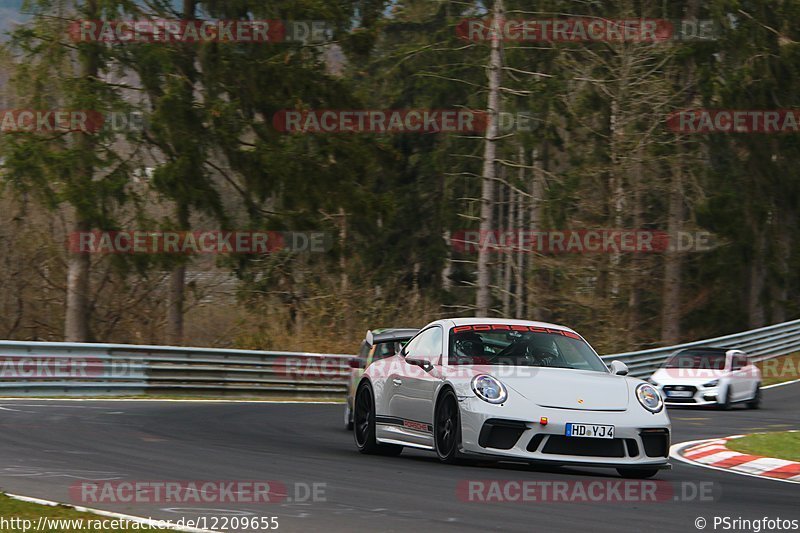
[709, 376]
[511, 390]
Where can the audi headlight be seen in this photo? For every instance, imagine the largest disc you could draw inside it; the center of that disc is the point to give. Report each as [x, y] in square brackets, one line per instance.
[489, 389]
[711, 383]
[649, 398]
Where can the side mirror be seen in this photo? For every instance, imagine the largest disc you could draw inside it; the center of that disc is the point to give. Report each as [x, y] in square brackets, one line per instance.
[618, 368]
[419, 361]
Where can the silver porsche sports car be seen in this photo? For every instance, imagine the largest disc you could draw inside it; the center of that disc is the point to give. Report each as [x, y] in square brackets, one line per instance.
[511, 390]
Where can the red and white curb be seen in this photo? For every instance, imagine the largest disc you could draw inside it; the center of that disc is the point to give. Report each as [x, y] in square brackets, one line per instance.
[714, 453]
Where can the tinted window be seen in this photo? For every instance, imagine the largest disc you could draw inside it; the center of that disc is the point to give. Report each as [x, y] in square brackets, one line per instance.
[386, 349]
[427, 344]
[698, 360]
[739, 361]
[474, 345]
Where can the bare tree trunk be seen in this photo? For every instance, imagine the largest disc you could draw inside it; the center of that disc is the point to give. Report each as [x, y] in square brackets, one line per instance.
[519, 223]
[672, 289]
[345, 282]
[177, 278]
[76, 316]
[508, 253]
[671, 302]
[617, 192]
[76, 320]
[539, 162]
[175, 305]
[447, 269]
[755, 304]
[779, 291]
[177, 283]
[483, 298]
[634, 272]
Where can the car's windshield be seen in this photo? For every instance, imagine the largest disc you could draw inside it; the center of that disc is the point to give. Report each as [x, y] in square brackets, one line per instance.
[697, 360]
[499, 344]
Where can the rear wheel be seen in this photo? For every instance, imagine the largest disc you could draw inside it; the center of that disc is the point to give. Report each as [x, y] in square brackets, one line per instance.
[755, 403]
[447, 428]
[364, 425]
[637, 473]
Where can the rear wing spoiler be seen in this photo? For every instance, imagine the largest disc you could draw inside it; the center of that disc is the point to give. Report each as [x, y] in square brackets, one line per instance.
[399, 336]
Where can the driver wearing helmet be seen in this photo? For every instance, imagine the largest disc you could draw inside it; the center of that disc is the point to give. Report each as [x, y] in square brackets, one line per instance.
[542, 351]
[469, 346]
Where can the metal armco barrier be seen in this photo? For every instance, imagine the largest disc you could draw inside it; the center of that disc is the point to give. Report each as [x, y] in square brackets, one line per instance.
[87, 369]
[84, 369]
[762, 343]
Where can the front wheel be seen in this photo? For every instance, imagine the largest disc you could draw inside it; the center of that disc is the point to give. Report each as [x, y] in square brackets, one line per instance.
[725, 405]
[637, 473]
[447, 428]
[755, 403]
[364, 425]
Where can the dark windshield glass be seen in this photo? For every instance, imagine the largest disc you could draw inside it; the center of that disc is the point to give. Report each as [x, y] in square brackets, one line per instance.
[697, 360]
[471, 345]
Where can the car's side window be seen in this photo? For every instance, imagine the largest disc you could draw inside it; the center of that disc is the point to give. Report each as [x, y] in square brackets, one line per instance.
[427, 345]
[433, 347]
[411, 347]
[739, 362]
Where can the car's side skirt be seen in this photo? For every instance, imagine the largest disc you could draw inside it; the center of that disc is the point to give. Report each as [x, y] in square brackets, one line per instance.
[407, 443]
[412, 425]
[394, 430]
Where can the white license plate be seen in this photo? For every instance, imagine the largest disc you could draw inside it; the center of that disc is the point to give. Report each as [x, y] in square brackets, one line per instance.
[680, 393]
[593, 431]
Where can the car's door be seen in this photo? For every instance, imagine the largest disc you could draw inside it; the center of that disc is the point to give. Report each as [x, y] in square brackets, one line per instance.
[740, 382]
[414, 385]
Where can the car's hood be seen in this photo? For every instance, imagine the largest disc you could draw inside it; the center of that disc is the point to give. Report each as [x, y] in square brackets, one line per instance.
[563, 388]
[686, 376]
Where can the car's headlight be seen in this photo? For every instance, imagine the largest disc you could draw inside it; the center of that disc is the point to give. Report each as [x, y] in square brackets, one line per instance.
[711, 383]
[489, 389]
[649, 398]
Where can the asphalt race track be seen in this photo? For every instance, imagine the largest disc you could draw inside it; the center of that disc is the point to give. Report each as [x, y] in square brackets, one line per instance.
[47, 446]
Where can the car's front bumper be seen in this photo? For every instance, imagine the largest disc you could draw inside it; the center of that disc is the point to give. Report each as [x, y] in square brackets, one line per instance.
[700, 395]
[641, 440]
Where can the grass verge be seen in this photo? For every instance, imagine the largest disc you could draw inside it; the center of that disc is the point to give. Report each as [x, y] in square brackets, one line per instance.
[780, 369]
[783, 445]
[17, 516]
